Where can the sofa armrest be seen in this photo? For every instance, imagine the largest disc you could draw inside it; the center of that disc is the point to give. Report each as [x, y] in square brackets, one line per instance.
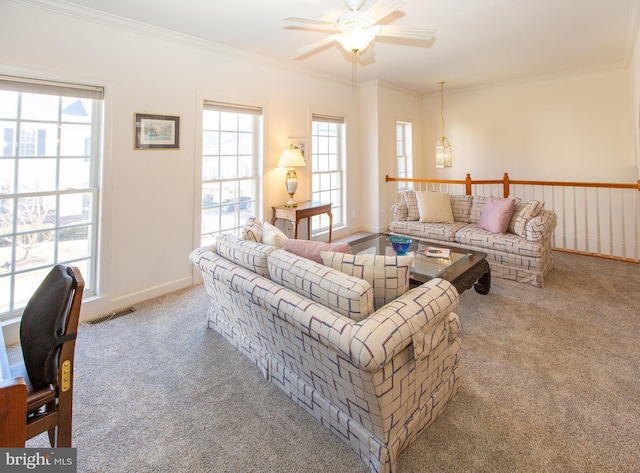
[422, 317]
[400, 212]
[541, 227]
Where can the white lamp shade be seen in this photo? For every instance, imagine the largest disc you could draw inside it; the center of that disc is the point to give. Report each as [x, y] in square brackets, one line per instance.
[356, 39]
[291, 158]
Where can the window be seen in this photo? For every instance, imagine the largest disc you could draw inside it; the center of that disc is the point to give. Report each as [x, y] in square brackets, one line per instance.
[49, 168]
[403, 152]
[327, 175]
[231, 137]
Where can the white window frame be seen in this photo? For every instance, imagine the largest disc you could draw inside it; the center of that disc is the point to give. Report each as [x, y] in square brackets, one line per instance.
[18, 282]
[229, 216]
[328, 170]
[404, 152]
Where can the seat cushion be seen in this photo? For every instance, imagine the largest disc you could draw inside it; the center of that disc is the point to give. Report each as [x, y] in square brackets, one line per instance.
[428, 231]
[502, 242]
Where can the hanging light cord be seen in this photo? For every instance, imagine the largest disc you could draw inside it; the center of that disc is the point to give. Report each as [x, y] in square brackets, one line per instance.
[442, 104]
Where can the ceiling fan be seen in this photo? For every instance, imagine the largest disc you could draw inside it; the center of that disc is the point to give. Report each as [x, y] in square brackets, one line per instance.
[356, 29]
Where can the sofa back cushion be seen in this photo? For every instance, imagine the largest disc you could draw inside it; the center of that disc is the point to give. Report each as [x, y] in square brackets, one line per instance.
[248, 254]
[388, 275]
[252, 230]
[347, 295]
[522, 213]
[477, 204]
[461, 207]
[412, 205]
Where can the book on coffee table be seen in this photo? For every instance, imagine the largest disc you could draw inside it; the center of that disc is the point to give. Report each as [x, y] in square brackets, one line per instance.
[435, 252]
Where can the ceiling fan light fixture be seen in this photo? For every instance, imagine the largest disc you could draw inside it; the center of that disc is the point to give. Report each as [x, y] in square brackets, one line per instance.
[356, 39]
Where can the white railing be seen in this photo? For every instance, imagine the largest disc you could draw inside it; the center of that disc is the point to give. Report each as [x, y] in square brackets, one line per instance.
[597, 219]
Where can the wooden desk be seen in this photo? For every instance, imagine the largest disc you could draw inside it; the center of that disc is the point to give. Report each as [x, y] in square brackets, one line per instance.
[303, 210]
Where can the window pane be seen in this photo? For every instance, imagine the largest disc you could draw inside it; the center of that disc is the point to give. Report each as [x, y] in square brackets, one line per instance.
[74, 243]
[6, 254]
[210, 143]
[6, 217]
[8, 104]
[5, 292]
[75, 209]
[36, 213]
[35, 250]
[38, 139]
[7, 175]
[8, 138]
[75, 140]
[75, 173]
[76, 110]
[39, 107]
[210, 167]
[26, 284]
[36, 175]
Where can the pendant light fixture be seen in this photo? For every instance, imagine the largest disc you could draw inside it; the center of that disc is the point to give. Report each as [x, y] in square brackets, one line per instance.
[443, 148]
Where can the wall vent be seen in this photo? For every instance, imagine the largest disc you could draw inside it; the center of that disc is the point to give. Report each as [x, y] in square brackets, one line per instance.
[111, 316]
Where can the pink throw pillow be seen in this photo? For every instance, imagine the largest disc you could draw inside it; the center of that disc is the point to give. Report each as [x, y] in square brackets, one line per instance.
[311, 249]
[496, 214]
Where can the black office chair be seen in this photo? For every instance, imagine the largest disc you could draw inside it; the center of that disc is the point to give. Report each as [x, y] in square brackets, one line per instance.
[48, 339]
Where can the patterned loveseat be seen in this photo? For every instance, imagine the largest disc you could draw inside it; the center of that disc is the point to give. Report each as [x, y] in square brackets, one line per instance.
[522, 253]
[375, 378]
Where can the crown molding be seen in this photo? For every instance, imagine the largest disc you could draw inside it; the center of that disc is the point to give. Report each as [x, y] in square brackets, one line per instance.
[62, 7]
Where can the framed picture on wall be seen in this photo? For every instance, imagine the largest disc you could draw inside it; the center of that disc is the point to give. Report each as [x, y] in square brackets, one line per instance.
[299, 144]
[157, 131]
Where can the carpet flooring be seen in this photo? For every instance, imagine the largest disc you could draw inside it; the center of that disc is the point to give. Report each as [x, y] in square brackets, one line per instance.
[551, 384]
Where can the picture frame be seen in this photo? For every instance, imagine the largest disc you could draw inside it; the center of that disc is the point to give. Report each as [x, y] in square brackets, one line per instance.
[156, 131]
[300, 144]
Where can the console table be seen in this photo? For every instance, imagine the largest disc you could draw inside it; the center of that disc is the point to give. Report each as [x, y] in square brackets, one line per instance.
[303, 210]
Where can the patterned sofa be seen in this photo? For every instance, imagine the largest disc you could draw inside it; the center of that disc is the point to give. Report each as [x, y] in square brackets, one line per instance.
[521, 254]
[375, 378]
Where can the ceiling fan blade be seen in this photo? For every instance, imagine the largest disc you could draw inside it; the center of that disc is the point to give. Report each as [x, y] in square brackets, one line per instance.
[309, 48]
[404, 32]
[310, 21]
[381, 9]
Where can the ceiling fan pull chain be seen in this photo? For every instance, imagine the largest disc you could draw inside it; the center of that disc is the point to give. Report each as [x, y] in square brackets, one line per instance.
[353, 69]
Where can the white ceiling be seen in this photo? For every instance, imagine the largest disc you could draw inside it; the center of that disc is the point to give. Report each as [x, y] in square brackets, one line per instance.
[478, 42]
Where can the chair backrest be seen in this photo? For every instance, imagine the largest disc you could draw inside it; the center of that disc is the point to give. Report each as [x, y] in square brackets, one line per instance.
[45, 322]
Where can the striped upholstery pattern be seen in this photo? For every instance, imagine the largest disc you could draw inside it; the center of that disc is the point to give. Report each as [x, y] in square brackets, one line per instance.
[522, 254]
[522, 213]
[348, 295]
[388, 275]
[461, 207]
[376, 383]
[248, 254]
[252, 230]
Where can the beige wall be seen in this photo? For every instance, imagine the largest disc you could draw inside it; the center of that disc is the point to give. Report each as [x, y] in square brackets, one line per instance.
[573, 128]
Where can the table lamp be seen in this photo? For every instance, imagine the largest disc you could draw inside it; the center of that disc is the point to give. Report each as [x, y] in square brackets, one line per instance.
[291, 158]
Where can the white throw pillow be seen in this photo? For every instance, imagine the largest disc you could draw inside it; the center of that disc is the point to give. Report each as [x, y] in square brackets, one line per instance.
[434, 207]
[272, 235]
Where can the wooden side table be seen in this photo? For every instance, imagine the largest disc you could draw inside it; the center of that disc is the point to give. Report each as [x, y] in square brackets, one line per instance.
[303, 210]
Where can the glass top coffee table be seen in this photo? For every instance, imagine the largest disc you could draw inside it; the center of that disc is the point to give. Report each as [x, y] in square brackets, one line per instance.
[462, 268]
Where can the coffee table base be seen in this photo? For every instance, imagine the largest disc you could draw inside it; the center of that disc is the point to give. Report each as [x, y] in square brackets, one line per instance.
[478, 276]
